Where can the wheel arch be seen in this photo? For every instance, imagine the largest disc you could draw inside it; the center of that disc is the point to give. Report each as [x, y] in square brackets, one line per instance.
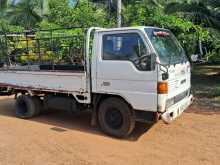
[99, 97]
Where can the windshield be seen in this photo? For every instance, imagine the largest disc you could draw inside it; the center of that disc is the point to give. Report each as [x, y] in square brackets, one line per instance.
[166, 45]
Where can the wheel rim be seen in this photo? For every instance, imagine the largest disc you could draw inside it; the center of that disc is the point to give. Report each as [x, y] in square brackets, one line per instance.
[114, 118]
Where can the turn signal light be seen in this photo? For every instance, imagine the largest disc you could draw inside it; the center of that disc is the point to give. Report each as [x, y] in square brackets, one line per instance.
[162, 88]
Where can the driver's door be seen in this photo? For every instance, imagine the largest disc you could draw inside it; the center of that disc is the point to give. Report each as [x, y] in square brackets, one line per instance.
[124, 68]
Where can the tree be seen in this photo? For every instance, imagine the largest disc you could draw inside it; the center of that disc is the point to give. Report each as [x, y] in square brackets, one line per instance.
[83, 14]
[3, 4]
[24, 14]
[200, 12]
[152, 15]
[205, 13]
[41, 8]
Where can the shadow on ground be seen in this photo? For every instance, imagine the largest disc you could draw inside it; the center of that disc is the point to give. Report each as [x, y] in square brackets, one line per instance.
[62, 121]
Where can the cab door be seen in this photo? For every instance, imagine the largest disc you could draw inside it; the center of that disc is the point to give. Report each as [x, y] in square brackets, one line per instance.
[124, 67]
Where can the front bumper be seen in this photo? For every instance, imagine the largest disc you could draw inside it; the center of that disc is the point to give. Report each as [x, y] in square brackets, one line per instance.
[176, 110]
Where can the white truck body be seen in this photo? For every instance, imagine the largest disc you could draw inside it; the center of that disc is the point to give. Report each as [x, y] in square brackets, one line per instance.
[139, 88]
[64, 82]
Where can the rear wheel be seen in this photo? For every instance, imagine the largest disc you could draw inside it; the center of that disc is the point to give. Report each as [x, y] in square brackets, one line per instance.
[26, 107]
[115, 117]
[38, 105]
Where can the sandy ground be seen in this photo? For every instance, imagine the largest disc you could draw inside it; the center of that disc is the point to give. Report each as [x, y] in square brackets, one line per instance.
[62, 139]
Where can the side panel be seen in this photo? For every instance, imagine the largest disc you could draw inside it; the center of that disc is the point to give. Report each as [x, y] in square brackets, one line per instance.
[48, 81]
[122, 78]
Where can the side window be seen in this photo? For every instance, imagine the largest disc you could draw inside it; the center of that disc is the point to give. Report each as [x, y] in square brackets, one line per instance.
[126, 46]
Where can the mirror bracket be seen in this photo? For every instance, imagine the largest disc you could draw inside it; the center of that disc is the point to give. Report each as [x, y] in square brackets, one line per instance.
[165, 74]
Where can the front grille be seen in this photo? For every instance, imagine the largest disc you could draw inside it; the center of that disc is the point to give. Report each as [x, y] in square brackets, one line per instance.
[177, 98]
[180, 96]
[172, 85]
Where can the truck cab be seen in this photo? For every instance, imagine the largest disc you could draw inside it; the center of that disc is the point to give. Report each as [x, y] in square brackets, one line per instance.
[146, 67]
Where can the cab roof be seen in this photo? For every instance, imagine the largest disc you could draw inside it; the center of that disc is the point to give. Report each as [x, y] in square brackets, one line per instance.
[128, 28]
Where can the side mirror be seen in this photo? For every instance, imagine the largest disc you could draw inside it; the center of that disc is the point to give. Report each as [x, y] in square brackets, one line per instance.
[194, 57]
[163, 68]
[165, 76]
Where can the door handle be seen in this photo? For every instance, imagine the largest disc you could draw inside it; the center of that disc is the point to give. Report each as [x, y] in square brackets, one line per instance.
[105, 83]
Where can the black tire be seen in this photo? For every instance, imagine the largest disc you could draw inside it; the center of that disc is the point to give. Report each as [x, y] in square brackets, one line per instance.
[115, 117]
[25, 107]
[38, 105]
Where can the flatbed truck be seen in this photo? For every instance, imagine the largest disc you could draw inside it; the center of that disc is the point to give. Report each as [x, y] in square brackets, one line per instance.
[129, 74]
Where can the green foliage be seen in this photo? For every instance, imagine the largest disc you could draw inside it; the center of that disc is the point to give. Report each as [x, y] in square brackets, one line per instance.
[191, 21]
[205, 14]
[45, 24]
[3, 4]
[187, 32]
[213, 56]
[84, 14]
[200, 12]
[6, 27]
[24, 14]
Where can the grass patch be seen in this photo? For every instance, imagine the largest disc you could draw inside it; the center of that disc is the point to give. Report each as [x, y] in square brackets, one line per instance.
[216, 92]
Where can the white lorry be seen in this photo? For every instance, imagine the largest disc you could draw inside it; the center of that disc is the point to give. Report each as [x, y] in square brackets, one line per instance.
[131, 74]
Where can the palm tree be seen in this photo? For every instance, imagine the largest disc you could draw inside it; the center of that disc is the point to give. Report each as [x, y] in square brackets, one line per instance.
[24, 14]
[200, 12]
[3, 7]
[3, 4]
[41, 8]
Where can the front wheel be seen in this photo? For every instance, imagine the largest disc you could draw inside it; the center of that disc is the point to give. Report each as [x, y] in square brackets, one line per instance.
[116, 118]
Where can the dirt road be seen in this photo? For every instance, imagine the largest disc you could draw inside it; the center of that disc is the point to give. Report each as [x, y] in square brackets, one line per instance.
[62, 139]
